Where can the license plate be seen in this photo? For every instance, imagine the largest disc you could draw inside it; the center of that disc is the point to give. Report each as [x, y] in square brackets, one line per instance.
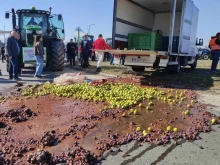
[138, 59]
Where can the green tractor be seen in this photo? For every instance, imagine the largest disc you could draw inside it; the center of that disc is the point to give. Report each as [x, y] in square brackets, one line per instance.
[33, 22]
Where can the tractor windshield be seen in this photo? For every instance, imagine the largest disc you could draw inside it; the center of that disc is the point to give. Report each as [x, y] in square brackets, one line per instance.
[33, 19]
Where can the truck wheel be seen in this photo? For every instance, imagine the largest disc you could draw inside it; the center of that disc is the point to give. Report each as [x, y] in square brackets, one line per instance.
[138, 68]
[57, 55]
[193, 66]
[205, 57]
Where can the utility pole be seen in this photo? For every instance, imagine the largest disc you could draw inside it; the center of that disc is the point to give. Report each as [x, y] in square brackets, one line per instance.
[4, 34]
[89, 28]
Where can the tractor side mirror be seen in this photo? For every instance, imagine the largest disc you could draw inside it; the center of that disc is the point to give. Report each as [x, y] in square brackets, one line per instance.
[7, 14]
[59, 17]
[62, 30]
[199, 42]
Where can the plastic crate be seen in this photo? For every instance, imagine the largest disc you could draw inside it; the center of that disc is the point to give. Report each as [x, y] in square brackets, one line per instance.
[145, 41]
[175, 44]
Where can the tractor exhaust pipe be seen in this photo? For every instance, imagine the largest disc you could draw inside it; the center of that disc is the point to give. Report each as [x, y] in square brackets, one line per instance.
[13, 18]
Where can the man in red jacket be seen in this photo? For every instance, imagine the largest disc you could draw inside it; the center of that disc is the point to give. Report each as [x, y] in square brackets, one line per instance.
[100, 44]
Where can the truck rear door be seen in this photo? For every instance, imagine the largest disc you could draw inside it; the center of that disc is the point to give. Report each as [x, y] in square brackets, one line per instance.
[188, 28]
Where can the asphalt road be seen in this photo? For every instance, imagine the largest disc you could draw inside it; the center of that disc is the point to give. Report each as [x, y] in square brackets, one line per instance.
[201, 152]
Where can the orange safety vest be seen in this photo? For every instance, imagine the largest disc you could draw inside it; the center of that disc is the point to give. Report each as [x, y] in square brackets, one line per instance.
[213, 45]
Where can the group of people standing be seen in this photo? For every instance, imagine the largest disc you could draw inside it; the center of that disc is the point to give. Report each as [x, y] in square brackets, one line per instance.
[86, 50]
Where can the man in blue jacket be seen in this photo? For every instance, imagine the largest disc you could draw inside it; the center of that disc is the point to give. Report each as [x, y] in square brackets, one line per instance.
[12, 53]
[86, 47]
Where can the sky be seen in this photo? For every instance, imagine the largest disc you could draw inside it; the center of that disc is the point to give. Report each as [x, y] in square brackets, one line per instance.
[83, 13]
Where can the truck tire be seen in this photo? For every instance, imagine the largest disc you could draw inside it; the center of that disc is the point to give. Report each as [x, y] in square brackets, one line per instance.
[193, 66]
[57, 55]
[138, 68]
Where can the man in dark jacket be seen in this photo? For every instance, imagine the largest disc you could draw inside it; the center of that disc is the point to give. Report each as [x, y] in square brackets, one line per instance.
[86, 47]
[3, 53]
[12, 53]
[71, 50]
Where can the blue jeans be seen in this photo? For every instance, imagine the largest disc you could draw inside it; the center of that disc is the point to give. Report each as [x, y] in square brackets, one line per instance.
[13, 67]
[112, 59]
[40, 65]
[215, 60]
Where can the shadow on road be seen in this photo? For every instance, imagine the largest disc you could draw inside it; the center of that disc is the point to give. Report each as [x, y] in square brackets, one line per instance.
[199, 79]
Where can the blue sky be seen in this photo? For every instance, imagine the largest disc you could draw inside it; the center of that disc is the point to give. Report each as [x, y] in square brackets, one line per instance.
[99, 12]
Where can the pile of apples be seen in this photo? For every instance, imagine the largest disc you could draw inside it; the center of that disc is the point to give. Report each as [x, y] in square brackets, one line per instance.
[117, 95]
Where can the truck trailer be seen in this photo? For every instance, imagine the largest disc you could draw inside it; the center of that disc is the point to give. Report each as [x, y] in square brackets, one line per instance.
[171, 18]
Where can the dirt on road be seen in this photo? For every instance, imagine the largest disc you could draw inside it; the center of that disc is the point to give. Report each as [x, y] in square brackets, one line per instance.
[78, 128]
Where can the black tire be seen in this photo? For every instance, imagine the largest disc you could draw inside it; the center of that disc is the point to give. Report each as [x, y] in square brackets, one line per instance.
[138, 68]
[205, 57]
[194, 65]
[57, 55]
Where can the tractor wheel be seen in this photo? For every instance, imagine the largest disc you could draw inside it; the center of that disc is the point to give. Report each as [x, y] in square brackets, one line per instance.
[57, 56]
[205, 56]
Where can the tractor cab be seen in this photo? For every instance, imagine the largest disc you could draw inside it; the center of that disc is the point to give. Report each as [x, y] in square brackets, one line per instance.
[31, 22]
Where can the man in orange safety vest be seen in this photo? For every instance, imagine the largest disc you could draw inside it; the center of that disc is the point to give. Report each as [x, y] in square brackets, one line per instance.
[214, 45]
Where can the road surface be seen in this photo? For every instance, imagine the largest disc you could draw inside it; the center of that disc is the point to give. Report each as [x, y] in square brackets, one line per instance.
[201, 152]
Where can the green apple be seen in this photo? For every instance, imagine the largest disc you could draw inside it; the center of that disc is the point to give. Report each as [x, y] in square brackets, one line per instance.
[135, 112]
[138, 129]
[145, 134]
[175, 129]
[168, 128]
[150, 103]
[213, 121]
[149, 129]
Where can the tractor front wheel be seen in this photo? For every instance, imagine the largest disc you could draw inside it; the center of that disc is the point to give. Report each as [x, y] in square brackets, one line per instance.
[57, 55]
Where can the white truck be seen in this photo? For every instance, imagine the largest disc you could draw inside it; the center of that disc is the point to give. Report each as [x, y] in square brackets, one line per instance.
[172, 17]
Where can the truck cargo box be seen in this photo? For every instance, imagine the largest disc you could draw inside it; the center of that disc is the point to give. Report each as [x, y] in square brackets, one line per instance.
[141, 16]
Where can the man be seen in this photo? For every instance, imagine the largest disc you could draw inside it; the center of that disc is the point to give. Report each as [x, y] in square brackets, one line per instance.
[44, 25]
[12, 53]
[85, 47]
[214, 45]
[3, 53]
[71, 50]
[32, 22]
[100, 44]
